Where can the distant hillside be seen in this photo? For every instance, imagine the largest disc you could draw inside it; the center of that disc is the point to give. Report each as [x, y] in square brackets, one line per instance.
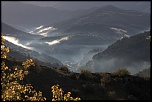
[102, 21]
[27, 15]
[102, 25]
[136, 5]
[137, 46]
[132, 53]
[24, 56]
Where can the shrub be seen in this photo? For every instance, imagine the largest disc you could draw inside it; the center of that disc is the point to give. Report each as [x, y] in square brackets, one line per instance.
[86, 75]
[105, 79]
[121, 72]
[74, 76]
[64, 69]
[59, 96]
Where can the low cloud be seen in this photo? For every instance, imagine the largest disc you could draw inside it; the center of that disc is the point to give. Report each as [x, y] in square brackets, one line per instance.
[16, 42]
[39, 27]
[46, 29]
[54, 42]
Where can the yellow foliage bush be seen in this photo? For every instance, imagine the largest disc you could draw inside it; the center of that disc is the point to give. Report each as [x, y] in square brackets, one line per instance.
[10, 80]
[58, 95]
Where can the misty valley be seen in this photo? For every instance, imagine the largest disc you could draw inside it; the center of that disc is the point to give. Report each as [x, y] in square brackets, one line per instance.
[95, 38]
[72, 50]
[75, 50]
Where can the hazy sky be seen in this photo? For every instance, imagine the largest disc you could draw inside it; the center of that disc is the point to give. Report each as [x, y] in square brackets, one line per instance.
[72, 5]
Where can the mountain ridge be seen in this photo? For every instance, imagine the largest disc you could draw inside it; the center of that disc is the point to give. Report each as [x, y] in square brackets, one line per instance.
[135, 21]
[136, 5]
[35, 16]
